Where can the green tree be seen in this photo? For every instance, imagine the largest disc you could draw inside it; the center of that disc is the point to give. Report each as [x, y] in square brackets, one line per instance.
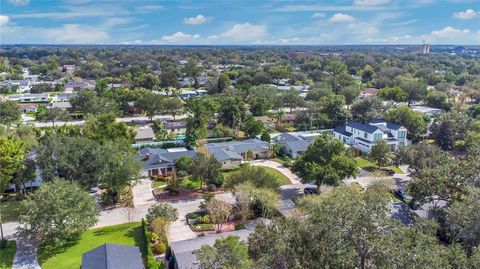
[414, 88]
[292, 99]
[420, 156]
[172, 106]
[367, 108]
[202, 111]
[329, 111]
[368, 73]
[449, 128]
[162, 210]
[256, 175]
[9, 112]
[219, 212]
[223, 82]
[207, 169]
[265, 137]
[87, 102]
[169, 77]
[463, 216]
[253, 127]
[71, 211]
[151, 104]
[104, 128]
[326, 161]
[395, 94]
[53, 115]
[12, 157]
[227, 253]
[232, 111]
[381, 153]
[413, 121]
[350, 93]
[278, 73]
[184, 163]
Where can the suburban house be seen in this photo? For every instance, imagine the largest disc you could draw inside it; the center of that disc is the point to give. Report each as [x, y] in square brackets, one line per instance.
[429, 111]
[369, 92]
[363, 136]
[32, 182]
[144, 134]
[113, 256]
[295, 143]
[28, 108]
[178, 127]
[29, 98]
[63, 97]
[161, 162]
[268, 122]
[62, 105]
[180, 253]
[233, 153]
[23, 85]
[78, 84]
[288, 119]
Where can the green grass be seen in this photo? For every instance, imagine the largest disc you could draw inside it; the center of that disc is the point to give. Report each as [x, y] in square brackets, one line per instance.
[158, 184]
[202, 227]
[10, 210]
[281, 178]
[7, 254]
[187, 183]
[370, 166]
[71, 256]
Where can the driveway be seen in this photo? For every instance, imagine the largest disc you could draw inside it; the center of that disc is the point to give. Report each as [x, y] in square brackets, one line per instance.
[26, 255]
[398, 180]
[294, 179]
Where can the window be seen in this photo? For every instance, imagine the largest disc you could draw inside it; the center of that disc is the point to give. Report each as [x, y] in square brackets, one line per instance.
[377, 137]
[365, 135]
[401, 134]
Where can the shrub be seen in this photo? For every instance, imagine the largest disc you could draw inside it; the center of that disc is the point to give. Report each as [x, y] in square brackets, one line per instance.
[161, 248]
[162, 210]
[240, 226]
[153, 237]
[203, 219]
[158, 226]
[202, 227]
[151, 260]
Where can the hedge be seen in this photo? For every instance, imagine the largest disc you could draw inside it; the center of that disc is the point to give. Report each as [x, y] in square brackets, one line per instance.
[151, 260]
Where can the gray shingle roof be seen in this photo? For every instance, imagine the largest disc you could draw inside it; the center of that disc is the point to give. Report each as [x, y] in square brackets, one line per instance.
[231, 150]
[112, 256]
[161, 158]
[362, 127]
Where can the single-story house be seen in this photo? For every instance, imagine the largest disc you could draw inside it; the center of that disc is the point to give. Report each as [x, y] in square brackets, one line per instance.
[429, 111]
[62, 105]
[267, 121]
[233, 153]
[144, 134]
[113, 256]
[288, 119]
[63, 97]
[29, 97]
[28, 108]
[161, 162]
[295, 143]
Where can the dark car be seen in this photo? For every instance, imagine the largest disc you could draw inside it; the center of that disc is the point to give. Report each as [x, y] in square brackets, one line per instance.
[310, 190]
[402, 195]
[389, 171]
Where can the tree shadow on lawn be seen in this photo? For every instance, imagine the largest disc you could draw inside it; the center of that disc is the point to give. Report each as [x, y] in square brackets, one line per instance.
[48, 250]
[139, 239]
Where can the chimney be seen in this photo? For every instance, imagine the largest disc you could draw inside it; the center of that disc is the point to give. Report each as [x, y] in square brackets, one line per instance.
[147, 156]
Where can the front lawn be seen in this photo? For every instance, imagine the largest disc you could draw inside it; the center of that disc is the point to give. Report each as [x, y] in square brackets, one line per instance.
[370, 166]
[281, 178]
[204, 227]
[7, 254]
[10, 210]
[71, 255]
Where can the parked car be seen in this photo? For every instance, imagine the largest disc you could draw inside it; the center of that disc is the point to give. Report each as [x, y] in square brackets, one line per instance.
[389, 171]
[310, 190]
[402, 195]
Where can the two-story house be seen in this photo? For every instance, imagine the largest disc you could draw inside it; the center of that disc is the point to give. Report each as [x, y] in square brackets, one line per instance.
[363, 136]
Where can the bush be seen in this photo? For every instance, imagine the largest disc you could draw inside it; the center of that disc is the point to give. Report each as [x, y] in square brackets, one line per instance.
[202, 227]
[158, 226]
[203, 219]
[240, 226]
[161, 248]
[151, 260]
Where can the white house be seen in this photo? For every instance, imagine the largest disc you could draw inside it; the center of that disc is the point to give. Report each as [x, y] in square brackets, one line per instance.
[295, 143]
[429, 111]
[363, 136]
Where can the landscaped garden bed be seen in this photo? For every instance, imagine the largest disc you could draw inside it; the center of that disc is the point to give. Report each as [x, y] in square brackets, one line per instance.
[202, 227]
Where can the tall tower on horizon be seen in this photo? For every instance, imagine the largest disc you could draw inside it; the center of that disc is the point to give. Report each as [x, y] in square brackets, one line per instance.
[425, 48]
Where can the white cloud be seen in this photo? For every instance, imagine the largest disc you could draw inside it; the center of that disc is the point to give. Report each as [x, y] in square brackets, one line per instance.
[19, 2]
[245, 31]
[340, 17]
[75, 34]
[449, 32]
[466, 15]
[199, 19]
[371, 2]
[4, 19]
[318, 15]
[178, 37]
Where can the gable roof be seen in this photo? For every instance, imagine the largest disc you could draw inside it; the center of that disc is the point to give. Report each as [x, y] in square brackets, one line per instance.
[144, 133]
[362, 127]
[112, 256]
[160, 158]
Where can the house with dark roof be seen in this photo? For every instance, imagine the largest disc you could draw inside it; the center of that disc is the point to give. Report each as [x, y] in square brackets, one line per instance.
[112, 256]
[363, 136]
[177, 127]
[233, 153]
[161, 162]
[295, 143]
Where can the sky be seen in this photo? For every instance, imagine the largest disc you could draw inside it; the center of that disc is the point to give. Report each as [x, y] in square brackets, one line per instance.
[240, 22]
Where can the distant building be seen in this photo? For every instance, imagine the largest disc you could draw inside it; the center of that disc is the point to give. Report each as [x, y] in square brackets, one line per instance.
[429, 111]
[177, 127]
[296, 143]
[62, 105]
[30, 98]
[113, 256]
[363, 136]
[28, 108]
[369, 92]
[425, 48]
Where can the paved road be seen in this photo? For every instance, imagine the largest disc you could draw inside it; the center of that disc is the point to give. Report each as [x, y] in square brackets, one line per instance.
[127, 119]
[399, 180]
[294, 179]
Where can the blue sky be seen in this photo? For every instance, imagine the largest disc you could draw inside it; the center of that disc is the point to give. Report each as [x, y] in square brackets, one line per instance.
[240, 22]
